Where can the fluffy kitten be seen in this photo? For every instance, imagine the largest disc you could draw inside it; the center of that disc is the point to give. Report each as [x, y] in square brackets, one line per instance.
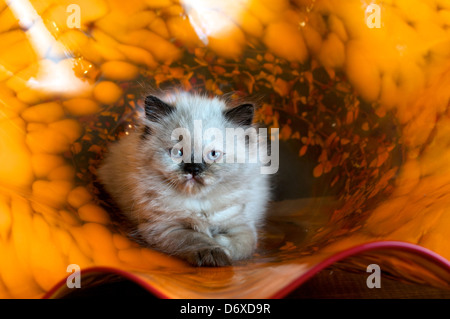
[206, 211]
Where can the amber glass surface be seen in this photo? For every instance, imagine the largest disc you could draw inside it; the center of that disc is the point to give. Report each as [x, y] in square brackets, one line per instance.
[358, 89]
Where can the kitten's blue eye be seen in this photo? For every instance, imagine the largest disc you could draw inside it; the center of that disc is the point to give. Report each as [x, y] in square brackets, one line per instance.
[214, 155]
[176, 152]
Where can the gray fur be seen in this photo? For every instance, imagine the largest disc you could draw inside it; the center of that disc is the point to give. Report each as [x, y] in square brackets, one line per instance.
[209, 223]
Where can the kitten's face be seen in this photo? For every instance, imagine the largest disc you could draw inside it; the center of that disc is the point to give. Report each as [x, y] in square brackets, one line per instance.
[185, 140]
[186, 164]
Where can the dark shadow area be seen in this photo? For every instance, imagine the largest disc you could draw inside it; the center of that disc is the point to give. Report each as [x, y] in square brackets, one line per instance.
[330, 283]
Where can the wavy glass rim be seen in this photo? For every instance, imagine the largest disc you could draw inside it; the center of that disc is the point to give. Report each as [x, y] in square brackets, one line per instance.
[289, 287]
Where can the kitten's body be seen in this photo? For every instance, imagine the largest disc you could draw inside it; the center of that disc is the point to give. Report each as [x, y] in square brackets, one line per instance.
[207, 221]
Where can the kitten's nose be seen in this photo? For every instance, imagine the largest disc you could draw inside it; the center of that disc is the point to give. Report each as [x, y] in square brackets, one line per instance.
[193, 168]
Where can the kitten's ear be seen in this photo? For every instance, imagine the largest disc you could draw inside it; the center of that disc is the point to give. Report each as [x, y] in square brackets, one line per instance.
[155, 109]
[241, 115]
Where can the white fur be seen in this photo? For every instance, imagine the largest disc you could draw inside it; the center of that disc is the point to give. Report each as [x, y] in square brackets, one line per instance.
[200, 225]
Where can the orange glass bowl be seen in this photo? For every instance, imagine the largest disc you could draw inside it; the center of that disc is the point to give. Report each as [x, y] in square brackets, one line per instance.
[358, 89]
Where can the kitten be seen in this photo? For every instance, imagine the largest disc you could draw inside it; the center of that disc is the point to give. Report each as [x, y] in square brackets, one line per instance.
[203, 208]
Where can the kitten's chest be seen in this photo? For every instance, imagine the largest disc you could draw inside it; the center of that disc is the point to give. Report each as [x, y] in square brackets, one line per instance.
[213, 213]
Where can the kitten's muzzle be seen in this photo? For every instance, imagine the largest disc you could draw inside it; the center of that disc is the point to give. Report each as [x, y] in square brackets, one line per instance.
[193, 168]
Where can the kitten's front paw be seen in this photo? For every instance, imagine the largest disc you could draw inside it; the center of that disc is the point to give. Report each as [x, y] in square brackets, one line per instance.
[209, 257]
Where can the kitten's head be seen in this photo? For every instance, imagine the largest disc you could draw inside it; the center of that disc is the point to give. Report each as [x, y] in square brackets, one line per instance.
[184, 139]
